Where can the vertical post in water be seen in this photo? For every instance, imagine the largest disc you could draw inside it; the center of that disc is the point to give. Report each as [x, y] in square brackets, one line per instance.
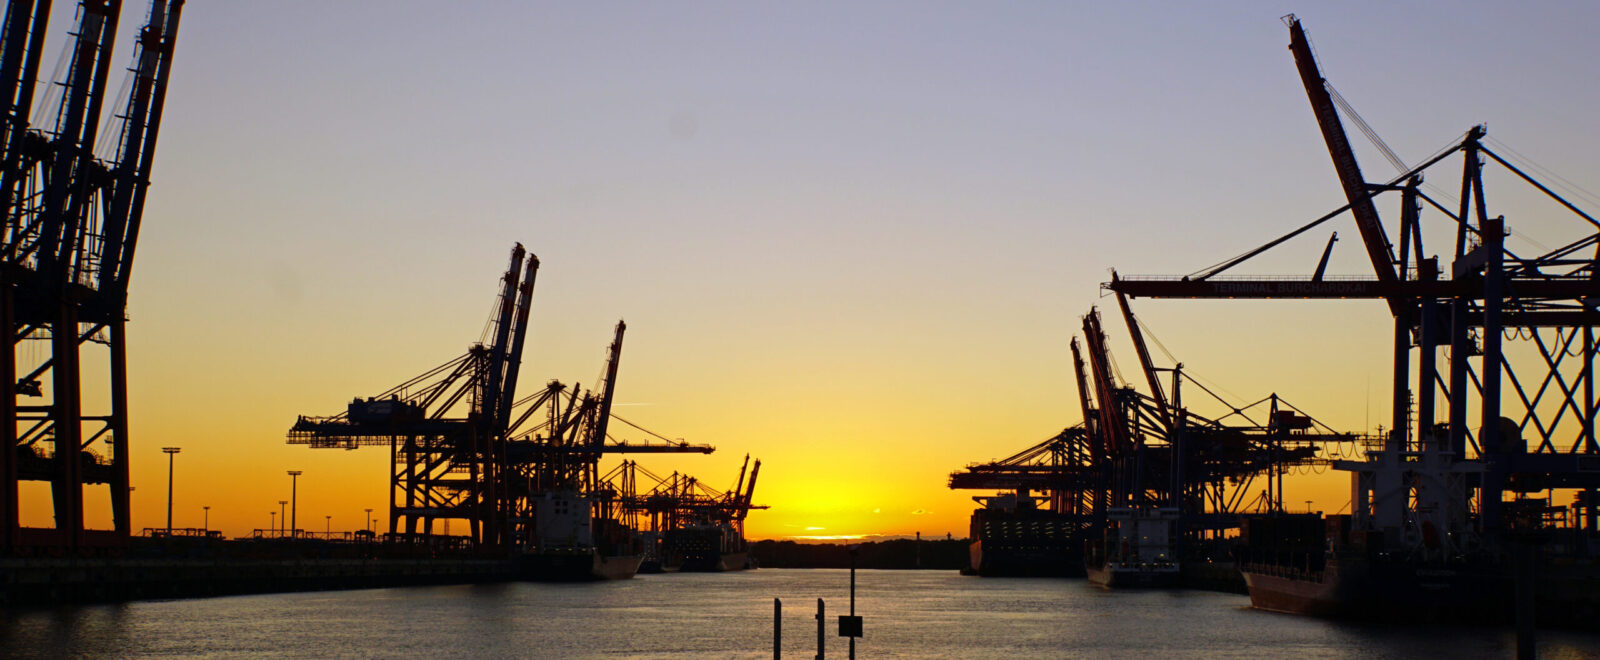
[777, 629]
[853, 597]
[821, 626]
[1523, 559]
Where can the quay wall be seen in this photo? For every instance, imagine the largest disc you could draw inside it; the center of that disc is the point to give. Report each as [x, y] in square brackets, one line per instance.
[28, 582]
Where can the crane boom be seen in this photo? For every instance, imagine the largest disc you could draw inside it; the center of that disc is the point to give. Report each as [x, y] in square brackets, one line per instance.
[603, 417]
[750, 490]
[502, 334]
[1344, 162]
[738, 486]
[519, 336]
[141, 125]
[1144, 356]
[1113, 425]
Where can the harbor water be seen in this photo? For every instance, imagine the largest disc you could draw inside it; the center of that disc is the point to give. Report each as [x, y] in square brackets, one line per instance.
[908, 614]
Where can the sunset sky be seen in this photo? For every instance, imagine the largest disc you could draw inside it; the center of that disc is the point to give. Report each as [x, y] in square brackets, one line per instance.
[850, 239]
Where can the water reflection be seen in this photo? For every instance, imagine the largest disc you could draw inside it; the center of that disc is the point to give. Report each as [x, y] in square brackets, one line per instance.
[907, 615]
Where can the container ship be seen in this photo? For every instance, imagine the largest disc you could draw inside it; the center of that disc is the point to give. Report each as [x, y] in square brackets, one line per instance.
[1013, 537]
[705, 548]
[686, 526]
[1137, 550]
[572, 543]
[1410, 552]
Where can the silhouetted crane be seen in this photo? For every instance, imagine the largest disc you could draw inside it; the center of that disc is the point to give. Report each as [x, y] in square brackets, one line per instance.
[72, 221]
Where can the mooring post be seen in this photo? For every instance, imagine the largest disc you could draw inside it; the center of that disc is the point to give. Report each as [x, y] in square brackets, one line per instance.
[853, 549]
[777, 629]
[821, 626]
[1523, 567]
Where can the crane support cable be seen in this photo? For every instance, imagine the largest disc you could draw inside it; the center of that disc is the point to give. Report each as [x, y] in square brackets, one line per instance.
[1361, 124]
[643, 429]
[1217, 269]
[1151, 335]
[1531, 164]
[1372, 134]
[1218, 397]
[1540, 186]
[1307, 415]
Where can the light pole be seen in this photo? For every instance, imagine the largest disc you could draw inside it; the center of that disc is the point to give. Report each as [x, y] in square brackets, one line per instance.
[369, 520]
[171, 451]
[281, 517]
[206, 526]
[294, 477]
[329, 528]
[274, 526]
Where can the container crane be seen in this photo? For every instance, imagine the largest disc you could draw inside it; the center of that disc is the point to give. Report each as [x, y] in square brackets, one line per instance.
[72, 222]
[1487, 296]
[685, 524]
[446, 443]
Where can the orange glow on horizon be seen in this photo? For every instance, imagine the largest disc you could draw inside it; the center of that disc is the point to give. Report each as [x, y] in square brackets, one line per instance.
[863, 303]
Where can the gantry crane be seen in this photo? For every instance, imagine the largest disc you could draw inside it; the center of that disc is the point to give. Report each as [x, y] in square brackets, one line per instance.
[1161, 453]
[1136, 451]
[564, 451]
[1535, 407]
[679, 500]
[461, 444]
[685, 524]
[446, 429]
[72, 220]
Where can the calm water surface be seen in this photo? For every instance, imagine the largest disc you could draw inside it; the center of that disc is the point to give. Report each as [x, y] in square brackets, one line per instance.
[909, 614]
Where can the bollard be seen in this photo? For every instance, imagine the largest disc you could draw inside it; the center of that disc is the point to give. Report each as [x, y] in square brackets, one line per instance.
[777, 629]
[821, 639]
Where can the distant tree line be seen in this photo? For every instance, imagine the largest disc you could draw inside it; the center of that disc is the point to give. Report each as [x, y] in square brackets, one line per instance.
[939, 554]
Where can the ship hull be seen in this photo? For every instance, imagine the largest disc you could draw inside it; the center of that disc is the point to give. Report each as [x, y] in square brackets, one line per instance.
[1398, 591]
[1013, 538]
[1275, 593]
[708, 563]
[1132, 578]
[577, 567]
[995, 560]
[704, 550]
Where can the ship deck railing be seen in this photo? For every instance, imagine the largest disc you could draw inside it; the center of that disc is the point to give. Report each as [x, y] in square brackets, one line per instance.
[1281, 571]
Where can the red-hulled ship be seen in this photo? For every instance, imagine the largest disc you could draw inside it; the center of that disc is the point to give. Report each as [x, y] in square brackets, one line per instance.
[1408, 553]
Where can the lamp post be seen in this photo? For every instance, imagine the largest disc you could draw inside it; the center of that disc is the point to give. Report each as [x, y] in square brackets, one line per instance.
[170, 451]
[206, 526]
[369, 520]
[281, 517]
[274, 526]
[328, 529]
[294, 477]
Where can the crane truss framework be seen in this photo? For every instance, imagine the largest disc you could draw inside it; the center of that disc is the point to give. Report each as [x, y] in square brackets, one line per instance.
[1082, 472]
[464, 447]
[72, 219]
[1493, 355]
[679, 501]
